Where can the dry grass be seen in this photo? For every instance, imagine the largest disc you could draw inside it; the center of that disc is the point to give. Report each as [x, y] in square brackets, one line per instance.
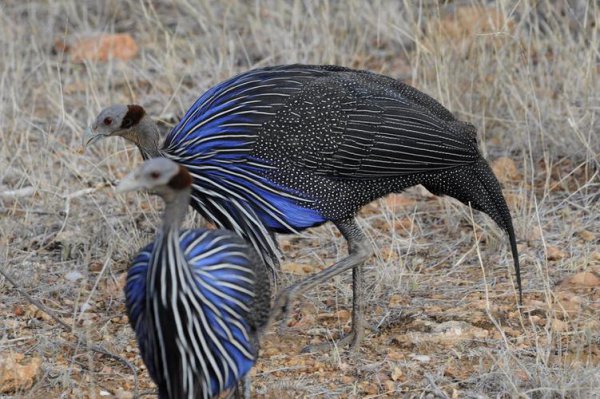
[527, 77]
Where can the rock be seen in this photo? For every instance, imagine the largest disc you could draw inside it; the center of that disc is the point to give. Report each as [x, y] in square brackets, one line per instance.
[420, 358]
[580, 280]
[18, 373]
[559, 326]
[403, 224]
[465, 24]
[73, 276]
[19, 311]
[505, 169]
[568, 303]
[298, 268]
[395, 201]
[587, 235]
[103, 47]
[395, 301]
[95, 266]
[390, 386]
[397, 374]
[585, 279]
[122, 394]
[553, 253]
[448, 333]
[342, 315]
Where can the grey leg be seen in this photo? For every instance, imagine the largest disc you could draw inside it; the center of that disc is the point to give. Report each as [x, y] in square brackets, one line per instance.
[358, 306]
[359, 251]
[241, 390]
[273, 236]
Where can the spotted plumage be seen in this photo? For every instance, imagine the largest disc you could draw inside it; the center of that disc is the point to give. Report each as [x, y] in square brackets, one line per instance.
[284, 148]
[197, 299]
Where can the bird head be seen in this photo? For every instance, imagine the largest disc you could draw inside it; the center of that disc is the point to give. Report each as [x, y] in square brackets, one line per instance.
[160, 176]
[116, 120]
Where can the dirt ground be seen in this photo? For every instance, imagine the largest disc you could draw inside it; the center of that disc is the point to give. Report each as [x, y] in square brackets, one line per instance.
[441, 290]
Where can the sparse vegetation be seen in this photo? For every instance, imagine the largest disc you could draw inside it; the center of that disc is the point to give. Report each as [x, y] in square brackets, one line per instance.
[441, 285]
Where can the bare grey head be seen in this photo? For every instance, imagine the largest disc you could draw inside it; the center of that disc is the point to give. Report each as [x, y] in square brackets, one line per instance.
[159, 176]
[128, 121]
[170, 181]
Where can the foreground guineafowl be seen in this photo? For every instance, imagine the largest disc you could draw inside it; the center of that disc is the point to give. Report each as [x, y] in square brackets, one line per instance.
[285, 148]
[197, 299]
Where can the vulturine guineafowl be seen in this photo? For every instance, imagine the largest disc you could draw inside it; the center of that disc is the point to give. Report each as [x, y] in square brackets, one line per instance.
[285, 148]
[197, 299]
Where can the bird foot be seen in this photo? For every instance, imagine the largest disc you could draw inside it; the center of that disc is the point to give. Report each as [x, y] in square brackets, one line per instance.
[347, 340]
[282, 308]
[352, 340]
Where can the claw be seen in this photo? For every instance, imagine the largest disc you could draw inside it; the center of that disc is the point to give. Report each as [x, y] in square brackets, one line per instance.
[347, 340]
[351, 340]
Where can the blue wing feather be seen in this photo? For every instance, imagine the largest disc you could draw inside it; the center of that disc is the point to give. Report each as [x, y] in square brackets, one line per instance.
[214, 140]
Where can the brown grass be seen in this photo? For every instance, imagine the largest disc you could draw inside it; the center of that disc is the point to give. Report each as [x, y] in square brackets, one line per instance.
[440, 285]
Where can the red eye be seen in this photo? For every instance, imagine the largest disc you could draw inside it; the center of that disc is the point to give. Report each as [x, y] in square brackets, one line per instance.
[154, 175]
[107, 120]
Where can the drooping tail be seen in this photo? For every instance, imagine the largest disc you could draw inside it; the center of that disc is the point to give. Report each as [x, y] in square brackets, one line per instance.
[503, 217]
[477, 185]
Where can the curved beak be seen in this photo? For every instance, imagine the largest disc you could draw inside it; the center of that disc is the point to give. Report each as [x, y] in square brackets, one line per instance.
[90, 137]
[129, 183]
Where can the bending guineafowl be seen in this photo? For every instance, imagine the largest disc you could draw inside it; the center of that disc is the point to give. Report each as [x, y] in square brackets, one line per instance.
[197, 299]
[285, 148]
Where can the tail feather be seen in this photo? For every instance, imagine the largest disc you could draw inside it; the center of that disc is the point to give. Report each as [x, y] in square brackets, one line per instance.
[476, 184]
[503, 217]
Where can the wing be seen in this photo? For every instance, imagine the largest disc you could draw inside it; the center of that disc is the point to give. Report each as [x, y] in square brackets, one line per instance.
[215, 140]
[386, 136]
[230, 113]
[361, 125]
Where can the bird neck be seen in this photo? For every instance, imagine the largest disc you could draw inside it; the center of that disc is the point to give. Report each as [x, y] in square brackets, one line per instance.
[176, 204]
[147, 137]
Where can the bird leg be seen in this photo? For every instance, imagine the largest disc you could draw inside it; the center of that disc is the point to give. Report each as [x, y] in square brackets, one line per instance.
[356, 335]
[359, 251]
[241, 390]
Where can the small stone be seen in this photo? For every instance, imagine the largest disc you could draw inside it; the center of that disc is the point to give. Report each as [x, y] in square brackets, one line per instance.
[95, 266]
[397, 374]
[19, 311]
[395, 201]
[421, 358]
[85, 307]
[390, 386]
[342, 315]
[568, 303]
[585, 279]
[553, 253]
[587, 235]
[18, 373]
[505, 169]
[559, 326]
[74, 276]
[122, 394]
[580, 280]
[104, 47]
[297, 268]
[395, 300]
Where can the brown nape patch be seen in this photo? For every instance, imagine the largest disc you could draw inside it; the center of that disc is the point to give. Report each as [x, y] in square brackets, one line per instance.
[134, 114]
[181, 180]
